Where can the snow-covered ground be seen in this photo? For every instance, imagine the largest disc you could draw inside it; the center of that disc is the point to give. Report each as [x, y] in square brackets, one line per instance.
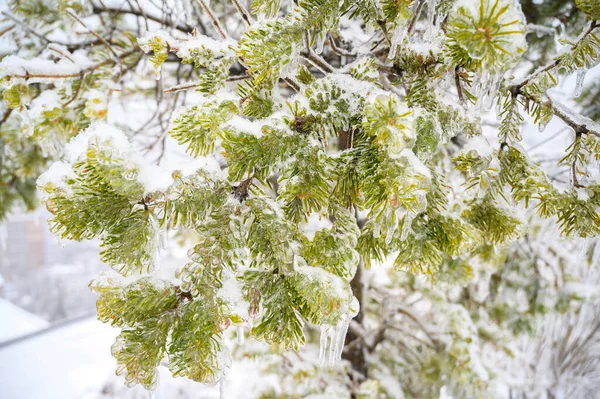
[72, 360]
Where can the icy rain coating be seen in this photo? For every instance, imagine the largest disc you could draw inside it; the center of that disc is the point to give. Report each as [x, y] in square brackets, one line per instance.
[322, 198]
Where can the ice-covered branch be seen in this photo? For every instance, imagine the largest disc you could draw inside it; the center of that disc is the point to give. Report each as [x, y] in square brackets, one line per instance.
[314, 58]
[97, 9]
[93, 33]
[213, 19]
[557, 62]
[245, 14]
[76, 71]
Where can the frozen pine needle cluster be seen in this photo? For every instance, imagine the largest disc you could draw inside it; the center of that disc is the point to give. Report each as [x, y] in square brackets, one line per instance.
[324, 138]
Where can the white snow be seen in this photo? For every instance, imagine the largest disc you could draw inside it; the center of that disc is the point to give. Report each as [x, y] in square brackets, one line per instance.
[17, 322]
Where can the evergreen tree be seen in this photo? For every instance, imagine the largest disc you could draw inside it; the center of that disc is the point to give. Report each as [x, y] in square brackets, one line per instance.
[326, 138]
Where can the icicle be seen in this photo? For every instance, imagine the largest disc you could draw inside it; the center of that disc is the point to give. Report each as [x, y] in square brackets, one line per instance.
[342, 330]
[336, 336]
[320, 44]
[240, 335]
[323, 344]
[396, 41]
[433, 22]
[580, 79]
[376, 230]
[222, 388]
[391, 225]
[163, 240]
[332, 334]
[408, 218]
[596, 255]
[543, 124]
[494, 87]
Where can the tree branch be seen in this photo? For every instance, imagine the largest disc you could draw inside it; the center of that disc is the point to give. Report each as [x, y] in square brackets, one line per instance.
[415, 16]
[138, 13]
[555, 63]
[96, 35]
[245, 15]
[213, 19]
[110, 61]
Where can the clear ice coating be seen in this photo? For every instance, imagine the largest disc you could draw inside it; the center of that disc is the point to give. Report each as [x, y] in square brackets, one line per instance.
[331, 343]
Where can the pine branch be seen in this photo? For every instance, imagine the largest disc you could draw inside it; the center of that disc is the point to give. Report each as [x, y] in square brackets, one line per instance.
[556, 63]
[577, 146]
[559, 110]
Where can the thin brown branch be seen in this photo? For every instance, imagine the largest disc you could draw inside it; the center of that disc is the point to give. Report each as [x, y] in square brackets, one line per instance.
[95, 34]
[245, 14]
[77, 91]
[143, 14]
[405, 311]
[339, 51]
[7, 29]
[415, 17]
[138, 13]
[213, 19]
[574, 170]
[317, 61]
[193, 85]
[26, 27]
[62, 53]
[110, 61]
[557, 62]
[292, 83]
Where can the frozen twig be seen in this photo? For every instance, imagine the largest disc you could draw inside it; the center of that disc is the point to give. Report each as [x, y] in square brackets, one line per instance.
[213, 19]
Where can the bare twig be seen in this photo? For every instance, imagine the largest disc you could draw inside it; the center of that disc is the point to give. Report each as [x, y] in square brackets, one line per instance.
[76, 91]
[62, 53]
[110, 61]
[26, 27]
[245, 14]
[338, 50]
[574, 171]
[317, 61]
[143, 14]
[417, 13]
[405, 311]
[193, 85]
[7, 29]
[139, 13]
[459, 90]
[213, 19]
[96, 35]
